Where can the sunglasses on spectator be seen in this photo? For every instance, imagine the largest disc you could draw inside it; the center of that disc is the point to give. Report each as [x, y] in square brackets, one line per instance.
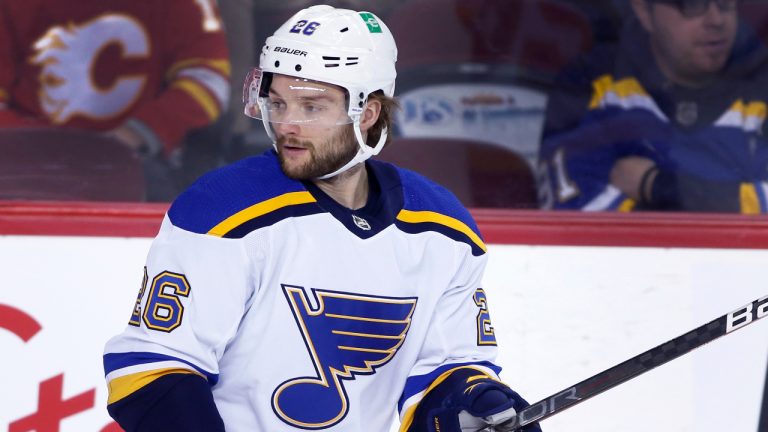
[694, 8]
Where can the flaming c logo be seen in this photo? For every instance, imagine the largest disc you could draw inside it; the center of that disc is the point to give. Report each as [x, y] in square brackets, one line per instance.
[67, 55]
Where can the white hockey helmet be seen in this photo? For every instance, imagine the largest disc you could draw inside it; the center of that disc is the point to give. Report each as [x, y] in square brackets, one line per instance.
[349, 49]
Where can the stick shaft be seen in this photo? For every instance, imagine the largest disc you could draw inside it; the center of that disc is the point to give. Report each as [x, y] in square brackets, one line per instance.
[764, 414]
[638, 365]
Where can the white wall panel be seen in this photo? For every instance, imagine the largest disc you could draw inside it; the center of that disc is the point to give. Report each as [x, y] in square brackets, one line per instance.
[561, 314]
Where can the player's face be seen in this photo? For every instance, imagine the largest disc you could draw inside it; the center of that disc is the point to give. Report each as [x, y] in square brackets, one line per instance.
[309, 150]
[308, 157]
[691, 48]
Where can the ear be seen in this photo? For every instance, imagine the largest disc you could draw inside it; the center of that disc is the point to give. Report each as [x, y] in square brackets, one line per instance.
[370, 114]
[642, 10]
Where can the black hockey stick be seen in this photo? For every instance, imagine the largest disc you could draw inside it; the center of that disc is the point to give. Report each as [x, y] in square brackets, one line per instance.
[764, 415]
[635, 366]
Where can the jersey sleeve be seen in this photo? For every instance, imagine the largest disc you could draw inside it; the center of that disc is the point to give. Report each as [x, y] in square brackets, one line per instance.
[570, 178]
[171, 403]
[577, 166]
[195, 289]
[460, 340]
[197, 88]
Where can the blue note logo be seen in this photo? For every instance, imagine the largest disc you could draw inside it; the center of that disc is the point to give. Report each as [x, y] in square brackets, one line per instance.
[346, 335]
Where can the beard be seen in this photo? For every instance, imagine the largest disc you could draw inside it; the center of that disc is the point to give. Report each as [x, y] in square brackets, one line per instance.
[326, 158]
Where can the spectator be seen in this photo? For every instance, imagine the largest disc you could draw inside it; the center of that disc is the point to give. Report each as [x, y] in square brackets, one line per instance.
[672, 118]
[145, 73]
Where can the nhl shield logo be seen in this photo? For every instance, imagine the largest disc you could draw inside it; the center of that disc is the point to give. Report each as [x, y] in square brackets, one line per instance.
[361, 223]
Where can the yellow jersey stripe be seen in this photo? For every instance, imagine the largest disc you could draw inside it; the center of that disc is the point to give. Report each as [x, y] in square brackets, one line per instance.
[367, 350]
[455, 224]
[623, 88]
[365, 335]
[200, 95]
[260, 209]
[477, 377]
[410, 413]
[357, 318]
[627, 205]
[750, 203]
[753, 109]
[124, 386]
[220, 65]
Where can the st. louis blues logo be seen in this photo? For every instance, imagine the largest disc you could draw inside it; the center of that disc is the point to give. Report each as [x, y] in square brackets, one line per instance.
[346, 335]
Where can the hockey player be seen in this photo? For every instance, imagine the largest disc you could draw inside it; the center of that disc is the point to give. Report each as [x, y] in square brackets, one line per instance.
[121, 67]
[671, 119]
[312, 287]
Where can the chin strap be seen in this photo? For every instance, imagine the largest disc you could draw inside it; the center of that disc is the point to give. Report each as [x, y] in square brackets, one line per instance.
[364, 151]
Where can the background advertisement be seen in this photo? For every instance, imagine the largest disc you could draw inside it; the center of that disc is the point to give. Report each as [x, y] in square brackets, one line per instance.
[505, 115]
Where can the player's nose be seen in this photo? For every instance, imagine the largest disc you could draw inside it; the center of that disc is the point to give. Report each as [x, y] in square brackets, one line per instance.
[287, 129]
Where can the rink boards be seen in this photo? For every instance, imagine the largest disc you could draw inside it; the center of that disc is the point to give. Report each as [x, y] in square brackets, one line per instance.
[561, 314]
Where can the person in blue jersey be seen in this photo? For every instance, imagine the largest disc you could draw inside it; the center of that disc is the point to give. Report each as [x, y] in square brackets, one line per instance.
[312, 287]
[670, 118]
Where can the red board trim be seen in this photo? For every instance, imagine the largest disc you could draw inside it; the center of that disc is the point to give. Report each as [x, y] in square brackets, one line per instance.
[497, 226]
[81, 218]
[624, 229]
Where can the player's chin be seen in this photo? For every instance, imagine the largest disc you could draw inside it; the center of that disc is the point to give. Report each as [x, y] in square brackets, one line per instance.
[296, 170]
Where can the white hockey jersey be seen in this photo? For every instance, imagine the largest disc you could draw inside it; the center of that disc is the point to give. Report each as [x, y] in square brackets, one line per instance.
[303, 314]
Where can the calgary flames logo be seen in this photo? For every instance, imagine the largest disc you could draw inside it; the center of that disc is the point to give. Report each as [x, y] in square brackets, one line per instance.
[67, 55]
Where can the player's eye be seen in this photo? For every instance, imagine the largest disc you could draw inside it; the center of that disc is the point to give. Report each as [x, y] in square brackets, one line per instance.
[313, 108]
[276, 105]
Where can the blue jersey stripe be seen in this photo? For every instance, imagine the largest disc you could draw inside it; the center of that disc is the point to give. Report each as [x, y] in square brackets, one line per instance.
[116, 361]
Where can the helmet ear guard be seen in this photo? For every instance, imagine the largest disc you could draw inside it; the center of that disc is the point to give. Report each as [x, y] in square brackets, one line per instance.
[348, 49]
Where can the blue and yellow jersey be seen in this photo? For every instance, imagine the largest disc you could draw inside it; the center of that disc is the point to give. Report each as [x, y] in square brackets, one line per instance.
[303, 314]
[616, 103]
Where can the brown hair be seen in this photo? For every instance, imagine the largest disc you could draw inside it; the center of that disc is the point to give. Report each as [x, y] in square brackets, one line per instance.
[389, 106]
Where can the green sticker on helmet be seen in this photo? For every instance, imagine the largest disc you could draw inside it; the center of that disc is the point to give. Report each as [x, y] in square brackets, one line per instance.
[371, 22]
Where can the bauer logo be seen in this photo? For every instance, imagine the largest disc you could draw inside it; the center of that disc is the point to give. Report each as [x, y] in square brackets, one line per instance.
[371, 22]
[291, 51]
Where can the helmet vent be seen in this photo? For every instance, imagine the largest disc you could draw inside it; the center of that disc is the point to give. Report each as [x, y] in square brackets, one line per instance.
[336, 61]
[330, 59]
[345, 29]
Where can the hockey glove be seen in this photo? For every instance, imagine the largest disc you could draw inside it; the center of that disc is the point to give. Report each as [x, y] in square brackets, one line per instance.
[483, 402]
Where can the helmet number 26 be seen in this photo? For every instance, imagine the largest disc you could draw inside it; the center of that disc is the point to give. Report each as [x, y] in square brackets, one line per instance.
[305, 27]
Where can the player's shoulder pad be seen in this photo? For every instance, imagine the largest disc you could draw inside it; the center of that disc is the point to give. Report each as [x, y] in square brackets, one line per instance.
[240, 198]
[427, 206]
